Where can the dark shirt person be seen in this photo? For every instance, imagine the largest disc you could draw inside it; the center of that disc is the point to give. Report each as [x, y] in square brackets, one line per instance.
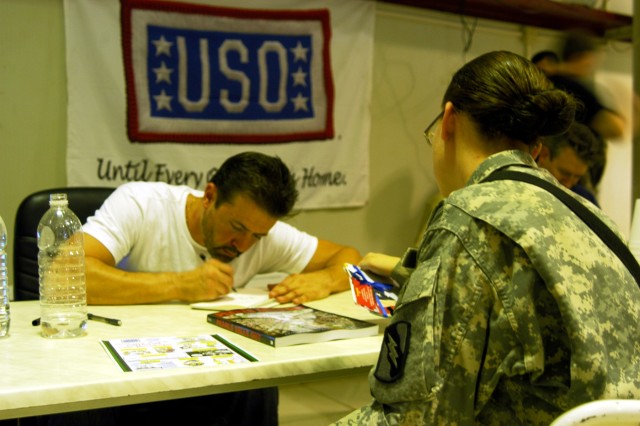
[580, 57]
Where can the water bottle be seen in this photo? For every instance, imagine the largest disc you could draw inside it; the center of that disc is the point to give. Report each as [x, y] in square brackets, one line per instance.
[63, 291]
[5, 313]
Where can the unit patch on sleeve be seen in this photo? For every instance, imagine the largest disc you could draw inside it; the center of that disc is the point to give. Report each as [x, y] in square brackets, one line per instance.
[394, 352]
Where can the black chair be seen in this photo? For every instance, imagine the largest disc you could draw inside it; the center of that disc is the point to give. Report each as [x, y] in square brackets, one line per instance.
[84, 201]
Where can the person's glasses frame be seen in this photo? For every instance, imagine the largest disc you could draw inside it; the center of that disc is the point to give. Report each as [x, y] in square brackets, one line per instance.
[429, 131]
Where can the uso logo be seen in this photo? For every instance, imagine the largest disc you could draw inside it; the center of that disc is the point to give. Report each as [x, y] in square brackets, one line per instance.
[202, 74]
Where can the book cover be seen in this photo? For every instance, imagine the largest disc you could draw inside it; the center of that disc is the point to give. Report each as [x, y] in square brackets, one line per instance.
[156, 353]
[295, 325]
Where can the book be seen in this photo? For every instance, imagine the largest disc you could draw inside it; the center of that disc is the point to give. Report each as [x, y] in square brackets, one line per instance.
[286, 326]
[373, 294]
[157, 353]
[241, 299]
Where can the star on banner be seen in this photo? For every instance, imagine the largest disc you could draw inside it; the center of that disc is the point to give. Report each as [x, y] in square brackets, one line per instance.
[163, 46]
[163, 73]
[163, 101]
[299, 78]
[299, 53]
[300, 103]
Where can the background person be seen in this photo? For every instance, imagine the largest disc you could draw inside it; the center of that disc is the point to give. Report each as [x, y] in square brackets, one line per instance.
[547, 60]
[568, 157]
[581, 56]
[512, 310]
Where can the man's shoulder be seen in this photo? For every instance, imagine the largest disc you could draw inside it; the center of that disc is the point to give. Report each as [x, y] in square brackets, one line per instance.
[285, 234]
[281, 229]
[153, 188]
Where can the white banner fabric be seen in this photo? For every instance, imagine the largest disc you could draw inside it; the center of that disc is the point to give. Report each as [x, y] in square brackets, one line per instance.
[167, 90]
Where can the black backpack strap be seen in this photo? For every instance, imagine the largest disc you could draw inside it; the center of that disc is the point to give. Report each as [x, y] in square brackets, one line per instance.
[596, 224]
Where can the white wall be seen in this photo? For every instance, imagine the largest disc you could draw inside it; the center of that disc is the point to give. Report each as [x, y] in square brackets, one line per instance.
[415, 54]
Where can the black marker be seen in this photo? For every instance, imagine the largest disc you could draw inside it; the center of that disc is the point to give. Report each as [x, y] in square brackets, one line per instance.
[111, 321]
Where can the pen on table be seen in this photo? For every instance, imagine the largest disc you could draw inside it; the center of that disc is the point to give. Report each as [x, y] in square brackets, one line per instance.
[112, 321]
[93, 317]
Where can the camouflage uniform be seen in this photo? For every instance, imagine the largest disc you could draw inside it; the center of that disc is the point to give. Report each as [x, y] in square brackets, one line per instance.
[512, 312]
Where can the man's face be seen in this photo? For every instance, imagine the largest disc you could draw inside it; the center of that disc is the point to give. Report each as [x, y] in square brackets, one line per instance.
[233, 227]
[566, 166]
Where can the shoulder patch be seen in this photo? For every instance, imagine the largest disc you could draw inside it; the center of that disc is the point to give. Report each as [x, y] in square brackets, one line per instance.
[394, 352]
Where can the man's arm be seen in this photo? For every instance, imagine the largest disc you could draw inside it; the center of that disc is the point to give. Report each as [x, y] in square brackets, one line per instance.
[323, 275]
[608, 124]
[108, 285]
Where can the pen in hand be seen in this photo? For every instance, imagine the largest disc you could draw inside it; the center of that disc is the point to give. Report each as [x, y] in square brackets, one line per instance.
[112, 321]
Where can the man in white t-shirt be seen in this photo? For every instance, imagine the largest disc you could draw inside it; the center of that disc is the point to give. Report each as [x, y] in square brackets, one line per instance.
[153, 242]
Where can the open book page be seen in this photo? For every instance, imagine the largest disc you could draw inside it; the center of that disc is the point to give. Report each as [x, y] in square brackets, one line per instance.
[156, 353]
[243, 298]
[265, 280]
[254, 295]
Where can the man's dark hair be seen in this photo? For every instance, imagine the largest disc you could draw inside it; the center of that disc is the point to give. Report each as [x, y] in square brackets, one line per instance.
[264, 179]
[545, 54]
[581, 139]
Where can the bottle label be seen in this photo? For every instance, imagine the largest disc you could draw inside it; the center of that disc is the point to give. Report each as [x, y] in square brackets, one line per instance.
[47, 238]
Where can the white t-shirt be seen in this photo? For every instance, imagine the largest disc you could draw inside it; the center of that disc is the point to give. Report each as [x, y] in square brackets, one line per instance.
[143, 225]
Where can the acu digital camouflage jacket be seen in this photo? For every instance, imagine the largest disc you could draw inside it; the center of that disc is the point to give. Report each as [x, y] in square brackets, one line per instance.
[512, 312]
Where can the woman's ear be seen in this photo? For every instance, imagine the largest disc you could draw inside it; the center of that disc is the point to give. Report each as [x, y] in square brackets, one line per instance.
[543, 155]
[536, 150]
[448, 122]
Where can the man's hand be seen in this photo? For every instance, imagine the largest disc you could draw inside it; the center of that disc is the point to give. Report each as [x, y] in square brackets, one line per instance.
[302, 288]
[209, 281]
[108, 285]
[323, 275]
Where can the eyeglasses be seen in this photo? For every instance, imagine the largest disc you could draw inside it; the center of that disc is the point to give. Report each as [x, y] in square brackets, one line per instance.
[429, 132]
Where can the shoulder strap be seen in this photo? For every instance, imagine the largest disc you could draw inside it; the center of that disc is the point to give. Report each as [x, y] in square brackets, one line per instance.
[596, 224]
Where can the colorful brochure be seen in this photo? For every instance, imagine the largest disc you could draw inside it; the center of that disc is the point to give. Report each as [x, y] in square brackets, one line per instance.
[376, 296]
[157, 353]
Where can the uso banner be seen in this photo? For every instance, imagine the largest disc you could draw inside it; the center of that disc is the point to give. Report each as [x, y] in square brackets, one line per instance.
[167, 90]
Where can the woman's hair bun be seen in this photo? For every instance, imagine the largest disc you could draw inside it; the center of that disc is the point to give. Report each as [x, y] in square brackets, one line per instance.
[558, 110]
[508, 96]
[549, 112]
